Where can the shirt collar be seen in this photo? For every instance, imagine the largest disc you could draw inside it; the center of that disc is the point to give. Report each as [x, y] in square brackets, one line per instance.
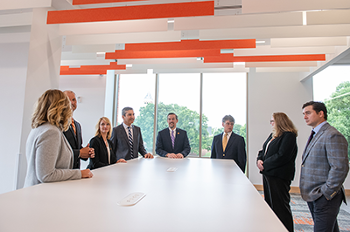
[318, 127]
[171, 130]
[126, 126]
[228, 134]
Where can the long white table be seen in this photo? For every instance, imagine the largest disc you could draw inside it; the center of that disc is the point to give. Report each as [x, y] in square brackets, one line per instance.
[201, 195]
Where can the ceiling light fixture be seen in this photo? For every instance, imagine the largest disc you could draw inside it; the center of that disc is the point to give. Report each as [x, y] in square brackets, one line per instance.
[304, 18]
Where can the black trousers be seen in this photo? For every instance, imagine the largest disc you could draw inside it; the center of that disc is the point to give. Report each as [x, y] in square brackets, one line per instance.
[324, 213]
[276, 192]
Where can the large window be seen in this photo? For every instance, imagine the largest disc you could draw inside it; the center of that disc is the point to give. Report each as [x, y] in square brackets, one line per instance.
[223, 94]
[332, 86]
[137, 91]
[180, 93]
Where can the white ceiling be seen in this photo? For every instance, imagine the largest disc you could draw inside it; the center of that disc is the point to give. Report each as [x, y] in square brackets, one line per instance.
[286, 27]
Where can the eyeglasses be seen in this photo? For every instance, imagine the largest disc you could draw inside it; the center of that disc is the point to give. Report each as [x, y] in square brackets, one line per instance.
[271, 121]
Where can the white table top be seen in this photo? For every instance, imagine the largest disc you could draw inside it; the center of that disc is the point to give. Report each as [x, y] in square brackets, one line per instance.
[201, 195]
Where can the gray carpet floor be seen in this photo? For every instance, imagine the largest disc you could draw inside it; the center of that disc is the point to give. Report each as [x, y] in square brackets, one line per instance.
[303, 220]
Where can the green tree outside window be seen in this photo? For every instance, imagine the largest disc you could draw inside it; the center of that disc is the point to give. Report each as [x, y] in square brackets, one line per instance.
[338, 107]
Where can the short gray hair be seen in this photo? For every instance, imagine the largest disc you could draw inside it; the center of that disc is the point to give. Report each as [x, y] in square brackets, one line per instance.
[125, 109]
[228, 118]
[68, 91]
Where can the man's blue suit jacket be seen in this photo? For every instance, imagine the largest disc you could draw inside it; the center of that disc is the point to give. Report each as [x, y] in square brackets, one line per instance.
[235, 149]
[120, 142]
[181, 144]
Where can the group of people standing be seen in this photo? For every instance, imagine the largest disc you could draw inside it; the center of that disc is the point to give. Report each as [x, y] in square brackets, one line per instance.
[324, 167]
[55, 156]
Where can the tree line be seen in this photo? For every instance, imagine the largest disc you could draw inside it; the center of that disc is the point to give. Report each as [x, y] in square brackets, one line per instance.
[338, 106]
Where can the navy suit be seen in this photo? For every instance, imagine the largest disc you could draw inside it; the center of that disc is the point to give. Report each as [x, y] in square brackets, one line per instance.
[75, 141]
[164, 145]
[120, 142]
[235, 149]
[101, 153]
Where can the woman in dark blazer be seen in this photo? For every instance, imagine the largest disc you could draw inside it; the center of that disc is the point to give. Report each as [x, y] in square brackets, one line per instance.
[103, 146]
[276, 162]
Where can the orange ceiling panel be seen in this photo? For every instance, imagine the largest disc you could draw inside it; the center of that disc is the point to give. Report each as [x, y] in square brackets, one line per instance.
[91, 69]
[123, 54]
[78, 71]
[192, 45]
[171, 10]
[84, 2]
[223, 58]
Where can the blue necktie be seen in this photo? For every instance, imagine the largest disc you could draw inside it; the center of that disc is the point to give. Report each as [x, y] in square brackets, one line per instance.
[131, 144]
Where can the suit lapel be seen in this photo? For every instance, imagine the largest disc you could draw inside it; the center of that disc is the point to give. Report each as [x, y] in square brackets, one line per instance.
[313, 141]
[123, 133]
[77, 136]
[168, 138]
[220, 142]
[134, 137]
[104, 145]
[230, 141]
[69, 147]
[74, 135]
[176, 137]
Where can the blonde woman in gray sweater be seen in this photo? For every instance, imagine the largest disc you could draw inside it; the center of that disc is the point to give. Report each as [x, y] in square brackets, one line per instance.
[49, 155]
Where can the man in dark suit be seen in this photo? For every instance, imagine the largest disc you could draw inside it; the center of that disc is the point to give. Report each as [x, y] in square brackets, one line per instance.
[127, 138]
[74, 137]
[172, 142]
[229, 145]
[324, 168]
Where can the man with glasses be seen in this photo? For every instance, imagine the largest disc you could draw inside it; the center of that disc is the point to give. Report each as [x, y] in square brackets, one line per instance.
[229, 145]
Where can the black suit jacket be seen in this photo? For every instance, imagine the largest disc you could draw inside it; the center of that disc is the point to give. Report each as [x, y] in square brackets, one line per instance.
[279, 160]
[181, 144]
[75, 142]
[120, 142]
[101, 153]
[235, 149]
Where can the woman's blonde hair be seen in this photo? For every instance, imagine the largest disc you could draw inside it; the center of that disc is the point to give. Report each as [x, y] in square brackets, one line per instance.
[53, 107]
[98, 131]
[282, 124]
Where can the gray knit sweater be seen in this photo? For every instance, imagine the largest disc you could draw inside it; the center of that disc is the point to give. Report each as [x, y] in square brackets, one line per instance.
[49, 156]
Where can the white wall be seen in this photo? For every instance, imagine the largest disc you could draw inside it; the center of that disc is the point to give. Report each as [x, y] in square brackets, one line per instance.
[43, 68]
[90, 89]
[276, 92]
[13, 71]
[269, 93]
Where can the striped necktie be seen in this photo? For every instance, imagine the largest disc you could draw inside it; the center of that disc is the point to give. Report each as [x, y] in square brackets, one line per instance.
[131, 143]
[172, 138]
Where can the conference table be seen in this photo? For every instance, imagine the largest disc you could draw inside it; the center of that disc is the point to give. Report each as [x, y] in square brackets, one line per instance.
[190, 194]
